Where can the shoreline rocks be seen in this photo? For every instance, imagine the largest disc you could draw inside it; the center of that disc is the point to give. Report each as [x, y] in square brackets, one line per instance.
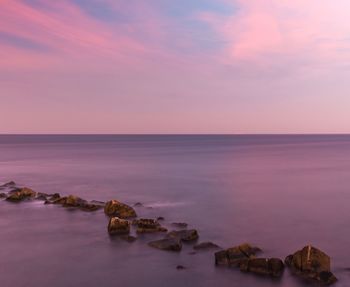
[21, 194]
[185, 235]
[235, 255]
[263, 266]
[311, 263]
[169, 244]
[117, 226]
[121, 210]
[145, 225]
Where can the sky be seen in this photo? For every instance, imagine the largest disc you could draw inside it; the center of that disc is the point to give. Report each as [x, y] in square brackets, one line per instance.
[165, 66]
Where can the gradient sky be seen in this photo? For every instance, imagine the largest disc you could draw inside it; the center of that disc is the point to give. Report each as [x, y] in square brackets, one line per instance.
[165, 66]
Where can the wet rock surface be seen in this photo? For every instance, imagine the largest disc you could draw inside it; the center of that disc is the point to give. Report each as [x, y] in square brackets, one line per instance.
[184, 235]
[311, 263]
[128, 238]
[121, 210]
[179, 224]
[21, 194]
[117, 226]
[169, 244]
[263, 266]
[145, 225]
[235, 255]
[205, 246]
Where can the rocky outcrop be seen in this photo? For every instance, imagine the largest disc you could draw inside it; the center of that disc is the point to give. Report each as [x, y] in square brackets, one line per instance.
[148, 226]
[205, 246]
[169, 244]
[263, 266]
[311, 263]
[235, 255]
[184, 235]
[121, 210]
[73, 201]
[21, 194]
[8, 184]
[117, 226]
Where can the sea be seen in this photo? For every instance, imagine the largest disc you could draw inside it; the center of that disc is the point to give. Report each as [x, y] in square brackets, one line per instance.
[277, 192]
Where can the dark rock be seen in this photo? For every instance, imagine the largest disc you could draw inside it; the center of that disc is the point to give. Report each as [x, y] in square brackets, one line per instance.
[180, 267]
[311, 263]
[21, 194]
[128, 238]
[118, 226]
[263, 266]
[8, 184]
[138, 204]
[148, 226]
[170, 244]
[184, 235]
[205, 245]
[41, 196]
[3, 195]
[55, 196]
[116, 208]
[235, 255]
[160, 218]
[192, 253]
[180, 224]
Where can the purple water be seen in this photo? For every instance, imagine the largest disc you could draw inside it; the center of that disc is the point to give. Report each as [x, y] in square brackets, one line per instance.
[277, 192]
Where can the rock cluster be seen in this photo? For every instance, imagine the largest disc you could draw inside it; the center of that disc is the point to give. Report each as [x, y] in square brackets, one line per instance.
[311, 263]
[148, 226]
[118, 226]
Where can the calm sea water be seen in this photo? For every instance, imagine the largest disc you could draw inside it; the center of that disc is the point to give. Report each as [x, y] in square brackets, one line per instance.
[277, 192]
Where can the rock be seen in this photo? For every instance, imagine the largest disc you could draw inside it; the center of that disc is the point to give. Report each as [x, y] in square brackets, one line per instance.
[179, 224]
[311, 263]
[184, 235]
[128, 238]
[41, 196]
[235, 255]
[3, 195]
[8, 184]
[170, 244]
[21, 194]
[73, 201]
[118, 226]
[160, 218]
[148, 226]
[263, 266]
[138, 204]
[116, 208]
[180, 267]
[55, 196]
[205, 245]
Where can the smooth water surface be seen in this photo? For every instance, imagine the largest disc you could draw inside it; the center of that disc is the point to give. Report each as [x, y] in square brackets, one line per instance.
[277, 192]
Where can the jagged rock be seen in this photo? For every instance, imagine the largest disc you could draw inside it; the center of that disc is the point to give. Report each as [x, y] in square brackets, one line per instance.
[148, 226]
[311, 263]
[205, 245]
[179, 224]
[116, 208]
[263, 266]
[184, 235]
[21, 194]
[170, 244]
[128, 238]
[235, 255]
[118, 226]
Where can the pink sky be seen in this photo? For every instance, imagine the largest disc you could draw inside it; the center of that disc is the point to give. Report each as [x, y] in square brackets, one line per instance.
[162, 66]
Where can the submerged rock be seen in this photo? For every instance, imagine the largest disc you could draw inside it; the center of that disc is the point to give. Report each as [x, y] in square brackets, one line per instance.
[118, 226]
[263, 266]
[235, 255]
[3, 195]
[180, 267]
[128, 238]
[159, 218]
[311, 263]
[148, 226]
[41, 196]
[21, 194]
[170, 244]
[116, 208]
[8, 184]
[138, 204]
[184, 235]
[205, 246]
[179, 224]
